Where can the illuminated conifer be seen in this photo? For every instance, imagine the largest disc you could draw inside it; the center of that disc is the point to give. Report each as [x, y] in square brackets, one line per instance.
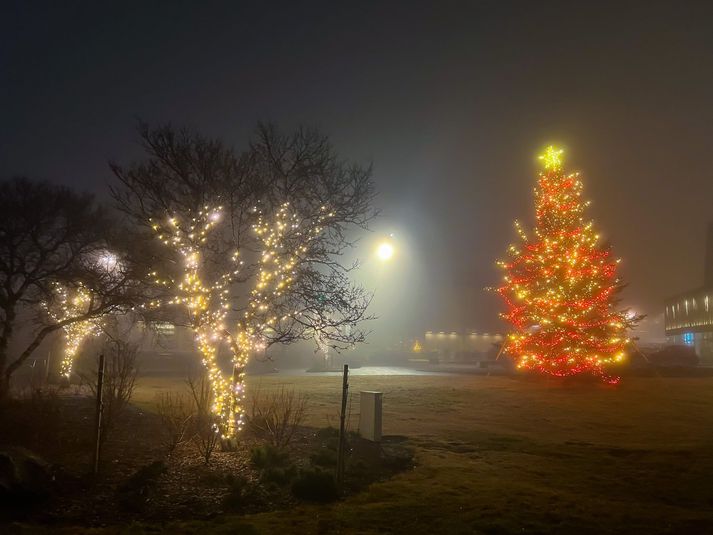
[561, 284]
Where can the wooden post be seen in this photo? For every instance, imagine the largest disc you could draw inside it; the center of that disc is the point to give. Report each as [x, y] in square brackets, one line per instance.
[342, 417]
[98, 416]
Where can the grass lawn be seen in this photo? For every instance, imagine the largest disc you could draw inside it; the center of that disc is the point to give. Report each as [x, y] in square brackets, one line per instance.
[514, 455]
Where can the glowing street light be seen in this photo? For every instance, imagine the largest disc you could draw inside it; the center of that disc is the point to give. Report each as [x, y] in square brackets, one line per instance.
[385, 251]
[108, 261]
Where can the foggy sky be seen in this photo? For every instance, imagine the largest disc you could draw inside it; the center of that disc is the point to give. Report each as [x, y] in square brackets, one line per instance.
[451, 101]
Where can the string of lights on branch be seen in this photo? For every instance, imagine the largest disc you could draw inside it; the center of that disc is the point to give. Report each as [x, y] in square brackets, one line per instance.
[284, 240]
[66, 305]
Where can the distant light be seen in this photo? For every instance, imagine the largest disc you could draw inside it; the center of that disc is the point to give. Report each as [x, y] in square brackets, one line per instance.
[385, 251]
[552, 158]
[108, 261]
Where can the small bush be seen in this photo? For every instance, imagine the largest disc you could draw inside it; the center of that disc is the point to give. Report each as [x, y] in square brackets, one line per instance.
[135, 491]
[274, 465]
[329, 438]
[315, 485]
[358, 467]
[45, 414]
[239, 493]
[268, 456]
[324, 457]
[120, 371]
[279, 475]
[275, 416]
[398, 461]
[175, 413]
[144, 476]
[674, 356]
[25, 479]
[327, 432]
[204, 424]
[211, 478]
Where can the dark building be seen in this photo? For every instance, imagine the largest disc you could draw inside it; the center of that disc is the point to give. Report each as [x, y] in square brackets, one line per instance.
[689, 316]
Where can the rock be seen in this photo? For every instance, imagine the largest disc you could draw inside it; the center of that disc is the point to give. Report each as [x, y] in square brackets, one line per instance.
[25, 478]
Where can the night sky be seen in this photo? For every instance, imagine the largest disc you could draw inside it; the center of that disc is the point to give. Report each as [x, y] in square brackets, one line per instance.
[451, 101]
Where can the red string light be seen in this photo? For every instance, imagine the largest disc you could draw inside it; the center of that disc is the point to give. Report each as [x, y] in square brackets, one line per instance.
[560, 287]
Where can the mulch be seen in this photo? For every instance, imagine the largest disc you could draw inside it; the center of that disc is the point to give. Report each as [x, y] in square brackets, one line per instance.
[61, 432]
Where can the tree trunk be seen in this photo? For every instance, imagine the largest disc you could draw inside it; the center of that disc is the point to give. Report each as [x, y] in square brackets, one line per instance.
[4, 386]
[7, 371]
[7, 329]
[236, 383]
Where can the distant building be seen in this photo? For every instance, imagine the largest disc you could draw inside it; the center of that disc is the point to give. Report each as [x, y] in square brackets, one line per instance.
[462, 347]
[165, 339]
[688, 317]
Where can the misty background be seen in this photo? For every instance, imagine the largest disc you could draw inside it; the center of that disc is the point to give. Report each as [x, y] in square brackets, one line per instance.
[451, 101]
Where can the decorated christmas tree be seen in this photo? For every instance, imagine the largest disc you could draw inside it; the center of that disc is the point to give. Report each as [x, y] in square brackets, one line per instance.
[561, 286]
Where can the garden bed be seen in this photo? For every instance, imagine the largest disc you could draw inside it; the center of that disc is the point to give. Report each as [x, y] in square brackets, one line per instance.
[140, 481]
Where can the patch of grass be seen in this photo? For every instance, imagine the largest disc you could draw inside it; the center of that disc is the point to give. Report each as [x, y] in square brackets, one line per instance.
[509, 455]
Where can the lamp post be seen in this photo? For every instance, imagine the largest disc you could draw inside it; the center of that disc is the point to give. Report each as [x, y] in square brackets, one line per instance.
[385, 251]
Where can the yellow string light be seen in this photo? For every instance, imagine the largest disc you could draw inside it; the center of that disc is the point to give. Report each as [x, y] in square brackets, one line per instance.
[208, 304]
[552, 158]
[66, 305]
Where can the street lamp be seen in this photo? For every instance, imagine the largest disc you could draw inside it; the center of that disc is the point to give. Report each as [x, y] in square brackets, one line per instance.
[385, 251]
[108, 261]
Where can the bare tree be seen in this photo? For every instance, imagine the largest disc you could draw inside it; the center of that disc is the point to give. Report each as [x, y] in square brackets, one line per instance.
[119, 381]
[48, 235]
[175, 413]
[275, 416]
[204, 424]
[253, 242]
[303, 168]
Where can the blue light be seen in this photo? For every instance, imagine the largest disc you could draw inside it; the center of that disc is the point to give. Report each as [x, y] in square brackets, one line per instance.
[688, 339]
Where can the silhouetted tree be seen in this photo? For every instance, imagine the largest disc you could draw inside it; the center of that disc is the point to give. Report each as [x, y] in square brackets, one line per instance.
[51, 235]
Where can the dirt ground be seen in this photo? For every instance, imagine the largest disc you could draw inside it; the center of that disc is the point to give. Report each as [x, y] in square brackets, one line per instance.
[507, 455]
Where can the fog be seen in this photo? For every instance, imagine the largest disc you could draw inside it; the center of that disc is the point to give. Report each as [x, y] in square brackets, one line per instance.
[451, 104]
